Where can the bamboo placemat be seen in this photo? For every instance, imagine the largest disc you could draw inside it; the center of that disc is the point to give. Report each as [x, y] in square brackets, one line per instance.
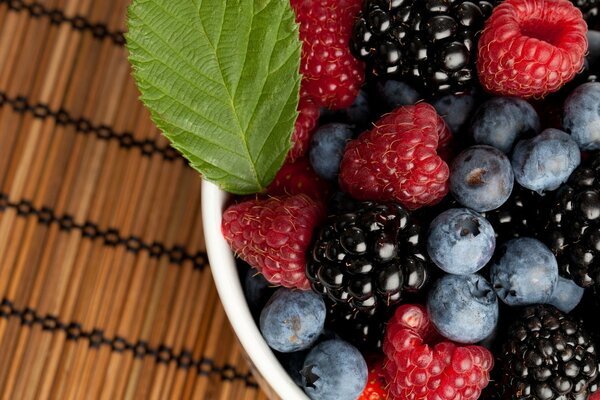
[104, 285]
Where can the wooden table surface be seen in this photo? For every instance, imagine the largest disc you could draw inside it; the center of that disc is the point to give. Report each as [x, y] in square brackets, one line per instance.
[104, 284]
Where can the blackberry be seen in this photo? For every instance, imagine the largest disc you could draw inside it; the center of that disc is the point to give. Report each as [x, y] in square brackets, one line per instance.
[518, 216]
[362, 330]
[433, 42]
[548, 355]
[572, 228]
[590, 10]
[364, 262]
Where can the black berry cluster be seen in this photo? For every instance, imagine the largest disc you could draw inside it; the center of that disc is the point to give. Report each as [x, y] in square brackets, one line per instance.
[433, 42]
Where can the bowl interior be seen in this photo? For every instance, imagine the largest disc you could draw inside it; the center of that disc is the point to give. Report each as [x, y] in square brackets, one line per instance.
[224, 270]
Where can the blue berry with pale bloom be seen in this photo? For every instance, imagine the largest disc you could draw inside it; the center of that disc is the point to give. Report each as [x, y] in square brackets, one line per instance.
[292, 320]
[334, 370]
[460, 241]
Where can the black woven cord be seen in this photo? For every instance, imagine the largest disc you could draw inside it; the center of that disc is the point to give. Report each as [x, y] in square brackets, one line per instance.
[140, 349]
[57, 17]
[111, 237]
[148, 147]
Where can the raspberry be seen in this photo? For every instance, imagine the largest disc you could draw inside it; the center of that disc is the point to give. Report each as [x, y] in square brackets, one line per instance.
[530, 48]
[375, 389]
[308, 115]
[296, 178]
[398, 159]
[332, 77]
[416, 370]
[272, 236]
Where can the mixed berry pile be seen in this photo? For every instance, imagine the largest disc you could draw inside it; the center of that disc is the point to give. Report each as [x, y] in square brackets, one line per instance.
[435, 231]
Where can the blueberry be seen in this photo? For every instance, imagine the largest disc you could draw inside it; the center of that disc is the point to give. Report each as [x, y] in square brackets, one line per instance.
[455, 109]
[395, 94]
[546, 161]
[292, 320]
[500, 121]
[566, 295]
[257, 291]
[581, 115]
[460, 241]
[358, 114]
[327, 148]
[334, 370]
[481, 178]
[463, 308]
[524, 272]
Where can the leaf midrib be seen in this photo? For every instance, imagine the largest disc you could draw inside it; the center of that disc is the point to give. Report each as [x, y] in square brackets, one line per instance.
[214, 76]
[231, 99]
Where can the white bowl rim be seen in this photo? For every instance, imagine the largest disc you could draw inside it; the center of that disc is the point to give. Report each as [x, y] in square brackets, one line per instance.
[223, 267]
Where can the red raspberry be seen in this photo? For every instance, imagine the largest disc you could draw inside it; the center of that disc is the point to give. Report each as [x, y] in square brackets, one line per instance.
[296, 178]
[272, 236]
[308, 115]
[416, 370]
[531, 47]
[398, 159]
[375, 389]
[332, 76]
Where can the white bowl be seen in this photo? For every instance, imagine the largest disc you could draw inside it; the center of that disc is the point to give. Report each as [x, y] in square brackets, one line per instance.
[273, 379]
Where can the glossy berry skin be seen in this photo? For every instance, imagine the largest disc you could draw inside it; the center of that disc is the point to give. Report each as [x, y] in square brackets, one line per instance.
[306, 122]
[398, 160]
[590, 10]
[463, 308]
[419, 365]
[530, 48]
[368, 258]
[292, 320]
[519, 216]
[546, 161]
[547, 355]
[566, 295]
[331, 76]
[327, 148]
[365, 262]
[460, 241]
[481, 178]
[272, 235]
[524, 271]
[581, 115]
[298, 177]
[363, 330]
[334, 370]
[430, 43]
[501, 121]
[572, 227]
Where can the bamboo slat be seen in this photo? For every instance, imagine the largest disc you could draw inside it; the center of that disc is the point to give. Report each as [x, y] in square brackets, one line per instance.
[105, 292]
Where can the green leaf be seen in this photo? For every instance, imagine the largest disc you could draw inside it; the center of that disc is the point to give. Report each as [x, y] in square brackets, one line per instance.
[220, 78]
